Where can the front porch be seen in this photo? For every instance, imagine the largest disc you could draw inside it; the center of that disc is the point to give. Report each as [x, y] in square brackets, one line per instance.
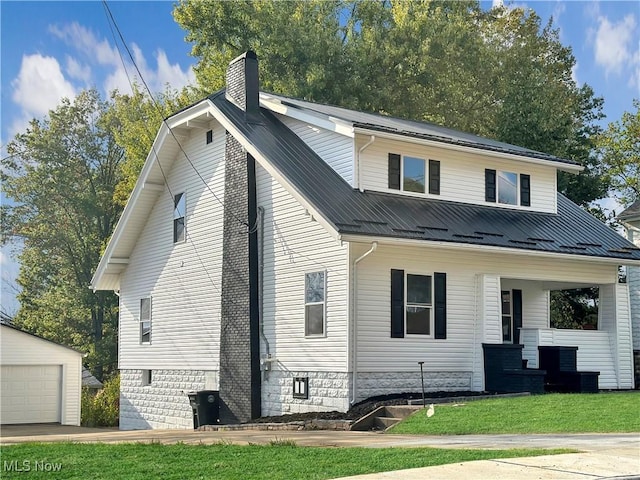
[517, 311]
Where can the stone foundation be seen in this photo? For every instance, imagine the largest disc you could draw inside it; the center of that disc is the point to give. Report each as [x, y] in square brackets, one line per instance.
[373, 384]
[328, 391]
[163, 403]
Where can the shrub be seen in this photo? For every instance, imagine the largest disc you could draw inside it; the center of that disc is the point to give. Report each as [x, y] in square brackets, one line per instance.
[102, 409]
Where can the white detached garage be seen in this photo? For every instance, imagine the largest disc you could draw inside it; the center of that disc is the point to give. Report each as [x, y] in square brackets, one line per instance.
[40, 380]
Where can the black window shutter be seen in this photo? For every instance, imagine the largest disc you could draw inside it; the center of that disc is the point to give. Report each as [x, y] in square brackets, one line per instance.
[490, 185]
[440, 300]
[517, 314]
[397, 303]
[525, 190]
[394, 171]
[434, 177]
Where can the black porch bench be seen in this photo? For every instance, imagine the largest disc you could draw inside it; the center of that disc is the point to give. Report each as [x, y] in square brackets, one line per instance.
[560, 364]
[503, 372]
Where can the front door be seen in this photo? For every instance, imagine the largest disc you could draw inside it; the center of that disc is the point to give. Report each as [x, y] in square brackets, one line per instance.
[511, 315]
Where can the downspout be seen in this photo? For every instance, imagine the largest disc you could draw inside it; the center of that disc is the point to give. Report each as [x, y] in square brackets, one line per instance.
[360, 150]
[267, 365]
[354, 388]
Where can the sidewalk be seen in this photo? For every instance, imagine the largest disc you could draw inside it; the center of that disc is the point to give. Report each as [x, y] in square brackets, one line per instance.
[602, 455]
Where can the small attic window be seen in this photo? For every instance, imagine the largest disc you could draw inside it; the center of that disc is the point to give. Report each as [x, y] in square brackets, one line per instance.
[209, 137]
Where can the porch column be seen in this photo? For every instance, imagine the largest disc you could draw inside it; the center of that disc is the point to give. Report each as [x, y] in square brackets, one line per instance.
[488, 325]
[615, 318]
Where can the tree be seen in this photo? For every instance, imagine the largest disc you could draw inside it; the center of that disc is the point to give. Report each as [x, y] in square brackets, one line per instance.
[619, 151]
[495, 73]
[61, 173]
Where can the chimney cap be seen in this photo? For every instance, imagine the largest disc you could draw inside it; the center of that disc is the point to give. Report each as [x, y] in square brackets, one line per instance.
[250, 54]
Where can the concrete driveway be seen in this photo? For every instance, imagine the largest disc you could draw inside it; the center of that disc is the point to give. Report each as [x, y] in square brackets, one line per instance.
[603, 455]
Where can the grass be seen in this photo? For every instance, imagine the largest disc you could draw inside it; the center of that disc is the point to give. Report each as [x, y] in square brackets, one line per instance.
[222, 461]
[552, 413]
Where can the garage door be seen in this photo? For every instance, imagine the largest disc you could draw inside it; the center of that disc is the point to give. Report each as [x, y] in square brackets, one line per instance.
[30, 394]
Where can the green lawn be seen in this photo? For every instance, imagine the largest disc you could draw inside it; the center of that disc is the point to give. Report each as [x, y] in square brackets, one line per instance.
[221, 462]
[552, 413]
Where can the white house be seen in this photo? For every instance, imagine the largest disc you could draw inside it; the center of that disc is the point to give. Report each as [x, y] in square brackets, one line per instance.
[630, 219]
[302, 257]
[41, 380]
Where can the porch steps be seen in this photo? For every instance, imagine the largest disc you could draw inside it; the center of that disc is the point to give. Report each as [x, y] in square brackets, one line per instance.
[383, 418]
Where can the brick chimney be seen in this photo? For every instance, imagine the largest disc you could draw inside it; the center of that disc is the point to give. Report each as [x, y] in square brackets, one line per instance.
[243, 85]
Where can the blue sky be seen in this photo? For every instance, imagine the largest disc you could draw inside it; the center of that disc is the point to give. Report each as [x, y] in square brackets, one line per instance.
[50, 50]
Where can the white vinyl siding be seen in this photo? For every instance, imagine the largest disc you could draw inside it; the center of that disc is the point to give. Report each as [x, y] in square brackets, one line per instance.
[332, 147]
[461, 174]
[613, 317]
[295, 244]
[40, 364]
[473, 284]
[535, 301]
[184, 279]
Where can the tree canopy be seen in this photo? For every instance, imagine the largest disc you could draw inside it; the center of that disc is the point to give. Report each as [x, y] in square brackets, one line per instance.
[61, 173]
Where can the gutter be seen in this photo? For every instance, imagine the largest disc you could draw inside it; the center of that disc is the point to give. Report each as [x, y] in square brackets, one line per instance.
[360, 150]
[354, 389]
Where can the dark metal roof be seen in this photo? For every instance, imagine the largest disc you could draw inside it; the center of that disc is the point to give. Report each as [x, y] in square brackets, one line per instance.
[633, 212]
[570, 231]
[424, 130]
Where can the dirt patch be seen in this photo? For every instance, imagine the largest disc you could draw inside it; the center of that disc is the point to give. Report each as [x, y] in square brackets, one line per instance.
[362, 408]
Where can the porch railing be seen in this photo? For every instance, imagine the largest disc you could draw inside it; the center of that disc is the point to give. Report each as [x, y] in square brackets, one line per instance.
[595, 352]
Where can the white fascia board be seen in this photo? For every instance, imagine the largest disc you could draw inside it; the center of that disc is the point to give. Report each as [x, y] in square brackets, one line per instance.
[474, 150]
[264, 163]
[326, 122]
[485, 248]
[142, 185]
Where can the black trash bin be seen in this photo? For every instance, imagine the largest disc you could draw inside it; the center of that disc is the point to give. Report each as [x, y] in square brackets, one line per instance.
[206, 407]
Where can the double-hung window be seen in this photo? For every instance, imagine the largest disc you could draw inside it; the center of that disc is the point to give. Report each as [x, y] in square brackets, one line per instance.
[179, 207]
[507, 188]
[314, 303]
[419, 304]
[145, 320]
[409, 174]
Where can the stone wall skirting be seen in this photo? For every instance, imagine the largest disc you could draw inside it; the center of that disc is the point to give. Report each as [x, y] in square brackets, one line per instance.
[328, 391]
[371, 384]
[164, 403]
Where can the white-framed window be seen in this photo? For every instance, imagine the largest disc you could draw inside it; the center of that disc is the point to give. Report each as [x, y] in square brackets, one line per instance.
[418, 304]
[145, 320]
[413, 174]
[508, 188]
[314, 303]
[179, 209]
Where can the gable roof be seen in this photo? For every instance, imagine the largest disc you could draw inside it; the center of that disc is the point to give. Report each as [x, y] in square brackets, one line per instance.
[421, 130]
[631, 213]
[14, 328]
[352, 213]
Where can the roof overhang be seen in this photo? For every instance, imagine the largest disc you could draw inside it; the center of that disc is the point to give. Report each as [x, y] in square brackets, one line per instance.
[486, 249]
[567, 167]
[150, 185]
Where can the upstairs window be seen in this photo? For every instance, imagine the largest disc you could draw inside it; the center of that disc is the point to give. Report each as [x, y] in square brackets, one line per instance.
[179, 207]
[145, 320]
[314, 303]
[409, 174]
[507, 188]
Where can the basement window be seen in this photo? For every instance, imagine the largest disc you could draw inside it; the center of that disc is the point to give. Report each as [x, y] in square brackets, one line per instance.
[146, 378]
[301, 387]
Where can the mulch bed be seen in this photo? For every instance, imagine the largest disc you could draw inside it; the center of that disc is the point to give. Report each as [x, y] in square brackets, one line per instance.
[362, 408]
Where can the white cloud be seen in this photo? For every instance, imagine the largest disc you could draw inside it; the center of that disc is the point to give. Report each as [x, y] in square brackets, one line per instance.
[101, 52]
[78, 71]
[38, 88]
[574, 73]
[613, 43]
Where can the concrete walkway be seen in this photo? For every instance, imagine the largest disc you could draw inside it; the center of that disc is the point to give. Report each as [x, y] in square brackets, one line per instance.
[603, 455]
